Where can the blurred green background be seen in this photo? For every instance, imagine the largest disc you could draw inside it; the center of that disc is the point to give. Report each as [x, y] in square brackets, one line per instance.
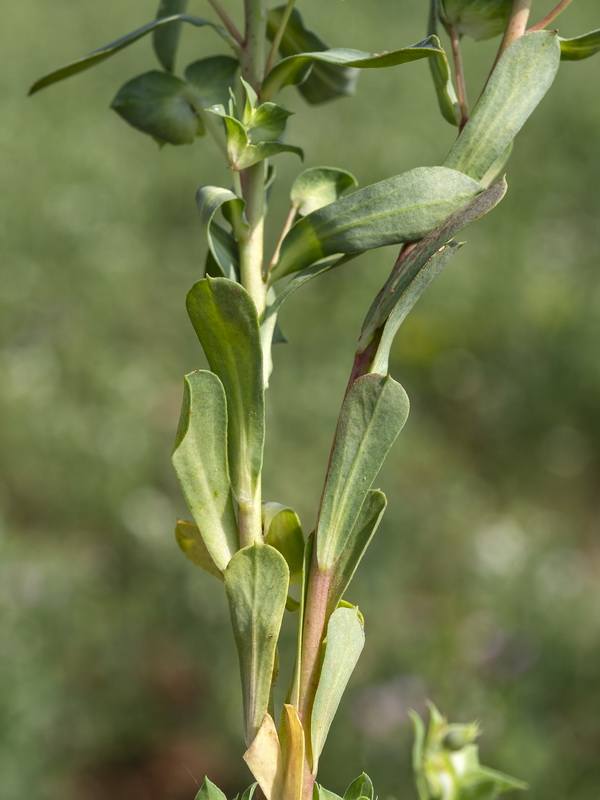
[117, 669]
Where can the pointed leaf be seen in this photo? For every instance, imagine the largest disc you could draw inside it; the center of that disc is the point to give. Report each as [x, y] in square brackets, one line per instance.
[267, 123]
[109, 50]
[255, 153]
[320, 81]
[283, 531]
[212, 77]
[363, 531]
[240, 152]
[192, 545]
[166, 38]
[372, 415]
[200, 462]
[319, 186]
[400, 209]
[520, 80]
[225, 320]
[440, 72]
[343, 646]
[264, 760]
[584, 46]
[222, 245]
[256, 583]
[249, 792]
[294, 754]
[415, 272]
[325, 794]
[208, 791]
[360, 787]
[162, 106]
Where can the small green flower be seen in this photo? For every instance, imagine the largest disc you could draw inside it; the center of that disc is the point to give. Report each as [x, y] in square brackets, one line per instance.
[480, 19]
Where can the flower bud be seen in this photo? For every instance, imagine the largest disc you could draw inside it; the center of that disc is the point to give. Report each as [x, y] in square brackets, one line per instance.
[480, 19]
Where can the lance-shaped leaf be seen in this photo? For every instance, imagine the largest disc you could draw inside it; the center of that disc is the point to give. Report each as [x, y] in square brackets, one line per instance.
[360, 787]
[363, 531]
[440, 72]
[293, 754]
[222, 245]
[343, 646]
[208, 791]
[373, 413]
[520, 80]
[322, 81]
[161, 105]
[166, 38]
[414, 274]
[213, 78]
[200, 462]
[192, 545]
[256, 582]
[97, 56]
[264, 759]
[283, 531]
[225, 320]
[293, 69]
[400, 209]
[584, 46]
[325, 794]
[249, 793]
[318, 186]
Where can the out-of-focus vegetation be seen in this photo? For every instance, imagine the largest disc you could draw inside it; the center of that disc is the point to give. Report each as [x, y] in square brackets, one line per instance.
[113, 666]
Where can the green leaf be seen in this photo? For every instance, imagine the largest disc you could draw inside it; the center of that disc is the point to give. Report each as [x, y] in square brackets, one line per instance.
[266, 123]
[294, 693]
[109, 50]
[162, 106]
[213, 78]
[480, 19]
[416, 272]
[208, 791]
[200, 462]
[584, 46]
[372, 415]
[441, 74]
[400, 209]
[293, 69]
[222, 245]
[318, 186]
[360, 787]
[321, 81]
[520, 80]
[325, 794]
[225, 320]
[343, 646]
[283, 531]
[249, 792]
[166, 39]
[192, 545]
[256, 582]
[360, 537]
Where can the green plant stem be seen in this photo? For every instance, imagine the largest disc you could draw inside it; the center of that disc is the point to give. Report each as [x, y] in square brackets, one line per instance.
[517, 25]
[279, 35]
[461, 88]
[227, 21]
[289, 221]
[550, 17]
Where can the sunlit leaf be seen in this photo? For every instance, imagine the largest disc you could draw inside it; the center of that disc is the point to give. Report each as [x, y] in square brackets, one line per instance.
[264, 760]
[584, 46]
[208, 791]
[318, 186]
[520, 80]
[360, 787]
[166, 38]
[256, 583]
[200, 462]
[293, 754]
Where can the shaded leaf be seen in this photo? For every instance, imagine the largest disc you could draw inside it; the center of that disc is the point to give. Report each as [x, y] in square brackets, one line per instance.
[283, 531]
[213, 78]
[109, 50]
[294, 693]
[417, 271]
[256, 583]
[162, 106]
[225, 320]
[192, 545]
[404, 208]
[520, 80]
[584, 46]
[222, 245]
[360, 537]
[200, 461]
[208, 791]
[318, 186]
[480, 19]
[264, 759]
[166, 38]
[372, 415]
[343, 646]
[440, 72]
[360, 787]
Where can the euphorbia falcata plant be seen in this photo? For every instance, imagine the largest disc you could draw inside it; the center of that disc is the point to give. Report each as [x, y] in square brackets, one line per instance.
[257, 548]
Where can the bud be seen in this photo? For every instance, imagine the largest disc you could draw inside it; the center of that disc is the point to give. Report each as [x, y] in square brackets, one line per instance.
[480, 19]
